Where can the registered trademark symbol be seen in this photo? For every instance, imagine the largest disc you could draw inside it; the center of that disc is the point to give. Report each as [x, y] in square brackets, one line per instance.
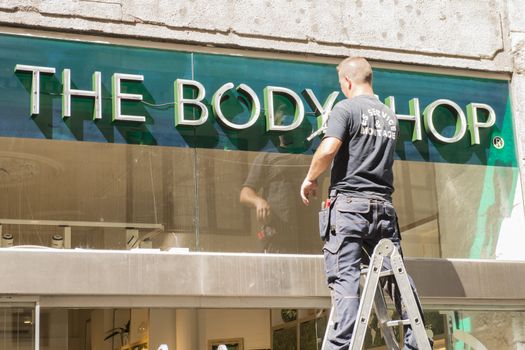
[498, 142]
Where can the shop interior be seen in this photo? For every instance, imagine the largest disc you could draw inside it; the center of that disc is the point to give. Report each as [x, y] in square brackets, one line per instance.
[202, 329]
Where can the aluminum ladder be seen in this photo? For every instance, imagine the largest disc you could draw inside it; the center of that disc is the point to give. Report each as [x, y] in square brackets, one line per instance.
[372, 294]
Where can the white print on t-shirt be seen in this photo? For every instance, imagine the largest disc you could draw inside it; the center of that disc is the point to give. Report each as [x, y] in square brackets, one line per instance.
[384, 125]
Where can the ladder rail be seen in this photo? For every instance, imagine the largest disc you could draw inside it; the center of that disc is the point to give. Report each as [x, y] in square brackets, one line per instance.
[371, 282]
[409, 301]
[382, 318]
[372, 296]
[329, 325]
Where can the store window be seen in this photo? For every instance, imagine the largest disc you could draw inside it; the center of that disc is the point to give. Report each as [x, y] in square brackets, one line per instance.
[167, 177]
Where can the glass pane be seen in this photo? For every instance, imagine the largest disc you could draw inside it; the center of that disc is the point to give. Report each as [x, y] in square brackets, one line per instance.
[97, 185]
[17, 328]
[242, 328]
[249, 202]
[415, 200]
[252, 170]
[480, 211]
[459, 211]
[444, 210]
[483, 329]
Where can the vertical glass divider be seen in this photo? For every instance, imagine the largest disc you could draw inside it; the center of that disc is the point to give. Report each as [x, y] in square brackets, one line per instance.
[37, 325]
[196, 172]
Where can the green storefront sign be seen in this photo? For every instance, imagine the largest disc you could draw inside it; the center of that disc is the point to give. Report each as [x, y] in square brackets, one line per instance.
[68, 90]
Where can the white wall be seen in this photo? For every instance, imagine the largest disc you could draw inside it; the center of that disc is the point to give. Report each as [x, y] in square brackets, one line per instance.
[139, 326]
[101, 322]
[517, 47]
[252, 325]
[187, 329]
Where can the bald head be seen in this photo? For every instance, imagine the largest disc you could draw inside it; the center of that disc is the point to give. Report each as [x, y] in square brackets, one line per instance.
[357, 69]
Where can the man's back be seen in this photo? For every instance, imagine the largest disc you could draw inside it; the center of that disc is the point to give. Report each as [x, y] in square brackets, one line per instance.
[368, 130]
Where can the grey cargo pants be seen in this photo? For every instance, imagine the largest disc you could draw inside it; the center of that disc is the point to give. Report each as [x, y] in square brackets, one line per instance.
[357, 225]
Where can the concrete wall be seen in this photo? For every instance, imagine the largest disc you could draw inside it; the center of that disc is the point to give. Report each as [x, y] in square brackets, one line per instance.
[466, 34]
[517, 51]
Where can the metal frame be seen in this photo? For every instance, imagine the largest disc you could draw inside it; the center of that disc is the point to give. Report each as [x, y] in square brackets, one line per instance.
[197, 279]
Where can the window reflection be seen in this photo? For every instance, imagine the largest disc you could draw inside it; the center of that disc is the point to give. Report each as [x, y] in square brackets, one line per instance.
[271, 188]
[252, 203]
[95, 185]
[238, 201]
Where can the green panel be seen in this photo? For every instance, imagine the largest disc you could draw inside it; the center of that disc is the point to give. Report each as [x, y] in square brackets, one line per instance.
[161, 68]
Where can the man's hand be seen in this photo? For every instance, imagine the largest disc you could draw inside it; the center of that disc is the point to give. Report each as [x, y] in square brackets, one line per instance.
[249, 197]
[263, 210]
[308, 188]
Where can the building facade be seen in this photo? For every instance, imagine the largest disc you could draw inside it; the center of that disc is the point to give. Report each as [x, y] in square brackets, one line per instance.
[152, 154]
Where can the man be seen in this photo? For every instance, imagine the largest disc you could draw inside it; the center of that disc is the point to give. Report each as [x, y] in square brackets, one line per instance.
[360, 140]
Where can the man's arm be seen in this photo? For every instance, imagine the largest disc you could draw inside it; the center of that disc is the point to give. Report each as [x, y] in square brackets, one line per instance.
[321, 160]
[249, 197]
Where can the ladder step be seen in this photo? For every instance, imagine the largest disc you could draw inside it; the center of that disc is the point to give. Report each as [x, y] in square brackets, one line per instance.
[381, 274]
[395, 323]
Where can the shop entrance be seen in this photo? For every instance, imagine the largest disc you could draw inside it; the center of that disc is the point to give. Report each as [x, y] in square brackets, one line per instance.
[19, 324]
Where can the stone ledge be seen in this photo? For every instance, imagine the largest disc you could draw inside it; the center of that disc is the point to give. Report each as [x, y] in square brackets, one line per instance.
[73, 273]
[417, 34]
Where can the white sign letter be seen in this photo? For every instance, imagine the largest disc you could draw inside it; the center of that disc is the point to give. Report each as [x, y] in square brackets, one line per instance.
[461, 124]
[180, 101]
[68, 92]
[323, 111]
[256, 106]
[35, 83]
[414, 116]
[118, 96]
[473, 123]
[270, 114]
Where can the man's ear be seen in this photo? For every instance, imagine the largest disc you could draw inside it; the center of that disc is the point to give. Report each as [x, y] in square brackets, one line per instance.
[348, 82]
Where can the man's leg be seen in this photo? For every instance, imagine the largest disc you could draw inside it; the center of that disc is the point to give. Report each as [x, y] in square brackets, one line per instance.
[342, 262]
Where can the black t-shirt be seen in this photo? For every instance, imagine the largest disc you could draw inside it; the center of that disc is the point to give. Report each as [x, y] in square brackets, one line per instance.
[369, 131]
[277, 176]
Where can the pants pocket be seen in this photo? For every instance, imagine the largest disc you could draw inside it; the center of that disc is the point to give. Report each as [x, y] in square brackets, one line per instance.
[353, 216]
[389, 224]
[331, 250]
[324, 223]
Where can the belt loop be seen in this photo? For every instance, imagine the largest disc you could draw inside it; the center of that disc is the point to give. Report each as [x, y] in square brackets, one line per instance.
[333, 193]
[376, 209]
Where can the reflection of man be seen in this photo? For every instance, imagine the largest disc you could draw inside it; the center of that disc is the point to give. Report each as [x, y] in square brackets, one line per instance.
[270, 188]
[360, 140]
